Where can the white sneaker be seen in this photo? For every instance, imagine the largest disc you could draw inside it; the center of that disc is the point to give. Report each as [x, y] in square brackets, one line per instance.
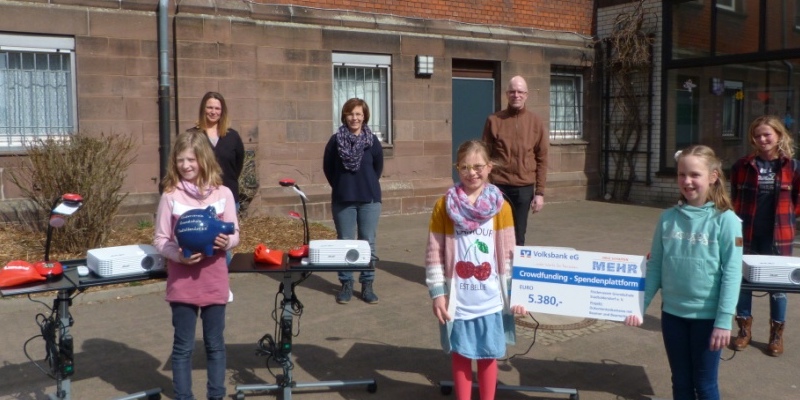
[230, 296]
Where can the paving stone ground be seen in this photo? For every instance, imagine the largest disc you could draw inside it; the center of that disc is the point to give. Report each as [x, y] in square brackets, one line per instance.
[123, 335]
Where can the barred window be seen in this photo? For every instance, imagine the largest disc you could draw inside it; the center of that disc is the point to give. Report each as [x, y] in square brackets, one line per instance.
[366, 76]
[37, 89]
[566, 103]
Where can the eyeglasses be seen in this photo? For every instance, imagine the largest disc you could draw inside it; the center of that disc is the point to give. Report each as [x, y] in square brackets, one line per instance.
[519, 92]
[465, 168]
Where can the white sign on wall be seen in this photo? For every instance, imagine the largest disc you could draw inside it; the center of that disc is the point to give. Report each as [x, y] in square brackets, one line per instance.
[555, 280]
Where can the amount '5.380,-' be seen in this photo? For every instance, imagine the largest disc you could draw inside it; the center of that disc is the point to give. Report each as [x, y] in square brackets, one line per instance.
[543, 299]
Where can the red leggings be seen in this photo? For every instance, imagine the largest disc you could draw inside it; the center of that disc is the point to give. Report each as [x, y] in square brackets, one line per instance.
[462, 377]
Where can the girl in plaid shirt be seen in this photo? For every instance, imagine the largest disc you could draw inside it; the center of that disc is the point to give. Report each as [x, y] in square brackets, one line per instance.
[765, 189]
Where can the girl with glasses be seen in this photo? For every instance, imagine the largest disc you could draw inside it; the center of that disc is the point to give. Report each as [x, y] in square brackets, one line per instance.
[468, 272]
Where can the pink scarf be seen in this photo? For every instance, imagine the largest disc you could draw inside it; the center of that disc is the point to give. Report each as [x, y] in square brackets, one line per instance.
[468, 216]
[192, 190]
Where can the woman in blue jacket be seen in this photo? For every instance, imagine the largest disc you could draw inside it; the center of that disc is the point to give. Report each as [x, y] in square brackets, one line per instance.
[353, 164]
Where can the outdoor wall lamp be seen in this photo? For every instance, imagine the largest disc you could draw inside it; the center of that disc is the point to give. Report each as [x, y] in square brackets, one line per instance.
[424, 65]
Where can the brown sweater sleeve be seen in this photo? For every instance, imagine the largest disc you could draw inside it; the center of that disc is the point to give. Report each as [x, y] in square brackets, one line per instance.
[519, 143]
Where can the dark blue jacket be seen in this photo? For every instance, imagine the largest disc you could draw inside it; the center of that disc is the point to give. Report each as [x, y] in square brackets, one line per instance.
[361, 186]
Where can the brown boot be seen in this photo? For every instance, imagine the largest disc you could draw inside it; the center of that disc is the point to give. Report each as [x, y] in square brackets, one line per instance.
[775, 347]
[741, 341]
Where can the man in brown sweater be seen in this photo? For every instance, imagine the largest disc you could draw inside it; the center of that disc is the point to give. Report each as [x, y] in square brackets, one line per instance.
[519, 143]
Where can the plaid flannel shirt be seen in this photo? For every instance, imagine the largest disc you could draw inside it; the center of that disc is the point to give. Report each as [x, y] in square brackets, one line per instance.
[744, 191]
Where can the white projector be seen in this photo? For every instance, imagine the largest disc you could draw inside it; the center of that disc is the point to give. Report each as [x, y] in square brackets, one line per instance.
[780, 270]
[124, 260]
[339, 252]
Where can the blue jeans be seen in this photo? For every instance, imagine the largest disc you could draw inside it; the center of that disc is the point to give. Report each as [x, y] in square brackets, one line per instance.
[777, 305]
[229, 253]
[694, 367]
[184, 320]
[519, 198]
[357, 221]
[777, 300]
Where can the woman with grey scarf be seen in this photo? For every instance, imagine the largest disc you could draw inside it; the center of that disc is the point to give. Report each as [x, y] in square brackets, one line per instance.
[353, 164]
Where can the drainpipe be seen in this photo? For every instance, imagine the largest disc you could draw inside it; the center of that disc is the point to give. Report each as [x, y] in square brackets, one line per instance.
[163, 91]
[787, 118]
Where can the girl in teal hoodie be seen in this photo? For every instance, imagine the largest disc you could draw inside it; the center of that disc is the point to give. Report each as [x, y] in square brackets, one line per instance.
[696, 262]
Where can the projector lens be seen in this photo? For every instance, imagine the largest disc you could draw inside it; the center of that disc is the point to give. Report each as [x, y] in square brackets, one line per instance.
[147, 263]
[795, 276]
[351, 256]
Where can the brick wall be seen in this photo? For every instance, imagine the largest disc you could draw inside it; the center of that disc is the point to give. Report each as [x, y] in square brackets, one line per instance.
[273, 64]
[116, 74]
[737, 31]
[563, 15]
[280, 99]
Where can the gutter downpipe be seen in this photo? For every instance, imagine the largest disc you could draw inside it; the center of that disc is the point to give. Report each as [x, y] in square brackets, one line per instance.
[787, 118]
[163, 91]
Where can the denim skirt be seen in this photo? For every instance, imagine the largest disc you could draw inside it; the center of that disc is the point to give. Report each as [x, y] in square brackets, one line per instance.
[480, 337]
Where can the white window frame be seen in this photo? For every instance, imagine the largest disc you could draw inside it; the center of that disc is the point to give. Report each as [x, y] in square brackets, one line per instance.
[556, 132]
[380, 121]
[16, 138]
[729, 5]
[797, 14]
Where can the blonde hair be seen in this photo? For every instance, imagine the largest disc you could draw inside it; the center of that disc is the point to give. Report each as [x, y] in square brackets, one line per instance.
[785, 142]
[718, 191]
[473, 146]
[223, 124]
[210, 174]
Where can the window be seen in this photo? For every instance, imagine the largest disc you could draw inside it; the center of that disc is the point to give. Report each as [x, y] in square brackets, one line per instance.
[727, 4]
[721, 4]
[687, 111]
[366, 76]
[37, 88]
[797, 14]
[566, 103]
[732, 110]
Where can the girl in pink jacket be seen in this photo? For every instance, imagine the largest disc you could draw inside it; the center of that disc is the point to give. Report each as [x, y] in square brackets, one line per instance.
[197, 284]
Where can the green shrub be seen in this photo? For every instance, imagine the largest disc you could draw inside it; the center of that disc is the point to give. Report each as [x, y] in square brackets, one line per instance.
[94, 167]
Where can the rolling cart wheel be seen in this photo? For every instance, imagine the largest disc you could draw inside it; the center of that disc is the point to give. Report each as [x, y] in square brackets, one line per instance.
[446, 390]
[372, 387]
[574, 397]
[240, 395]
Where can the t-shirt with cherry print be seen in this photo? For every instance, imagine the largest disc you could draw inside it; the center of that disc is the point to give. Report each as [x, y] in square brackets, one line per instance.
[476, 282]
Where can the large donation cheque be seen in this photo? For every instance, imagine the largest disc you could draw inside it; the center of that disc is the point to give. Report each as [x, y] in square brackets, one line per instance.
[555, 280]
